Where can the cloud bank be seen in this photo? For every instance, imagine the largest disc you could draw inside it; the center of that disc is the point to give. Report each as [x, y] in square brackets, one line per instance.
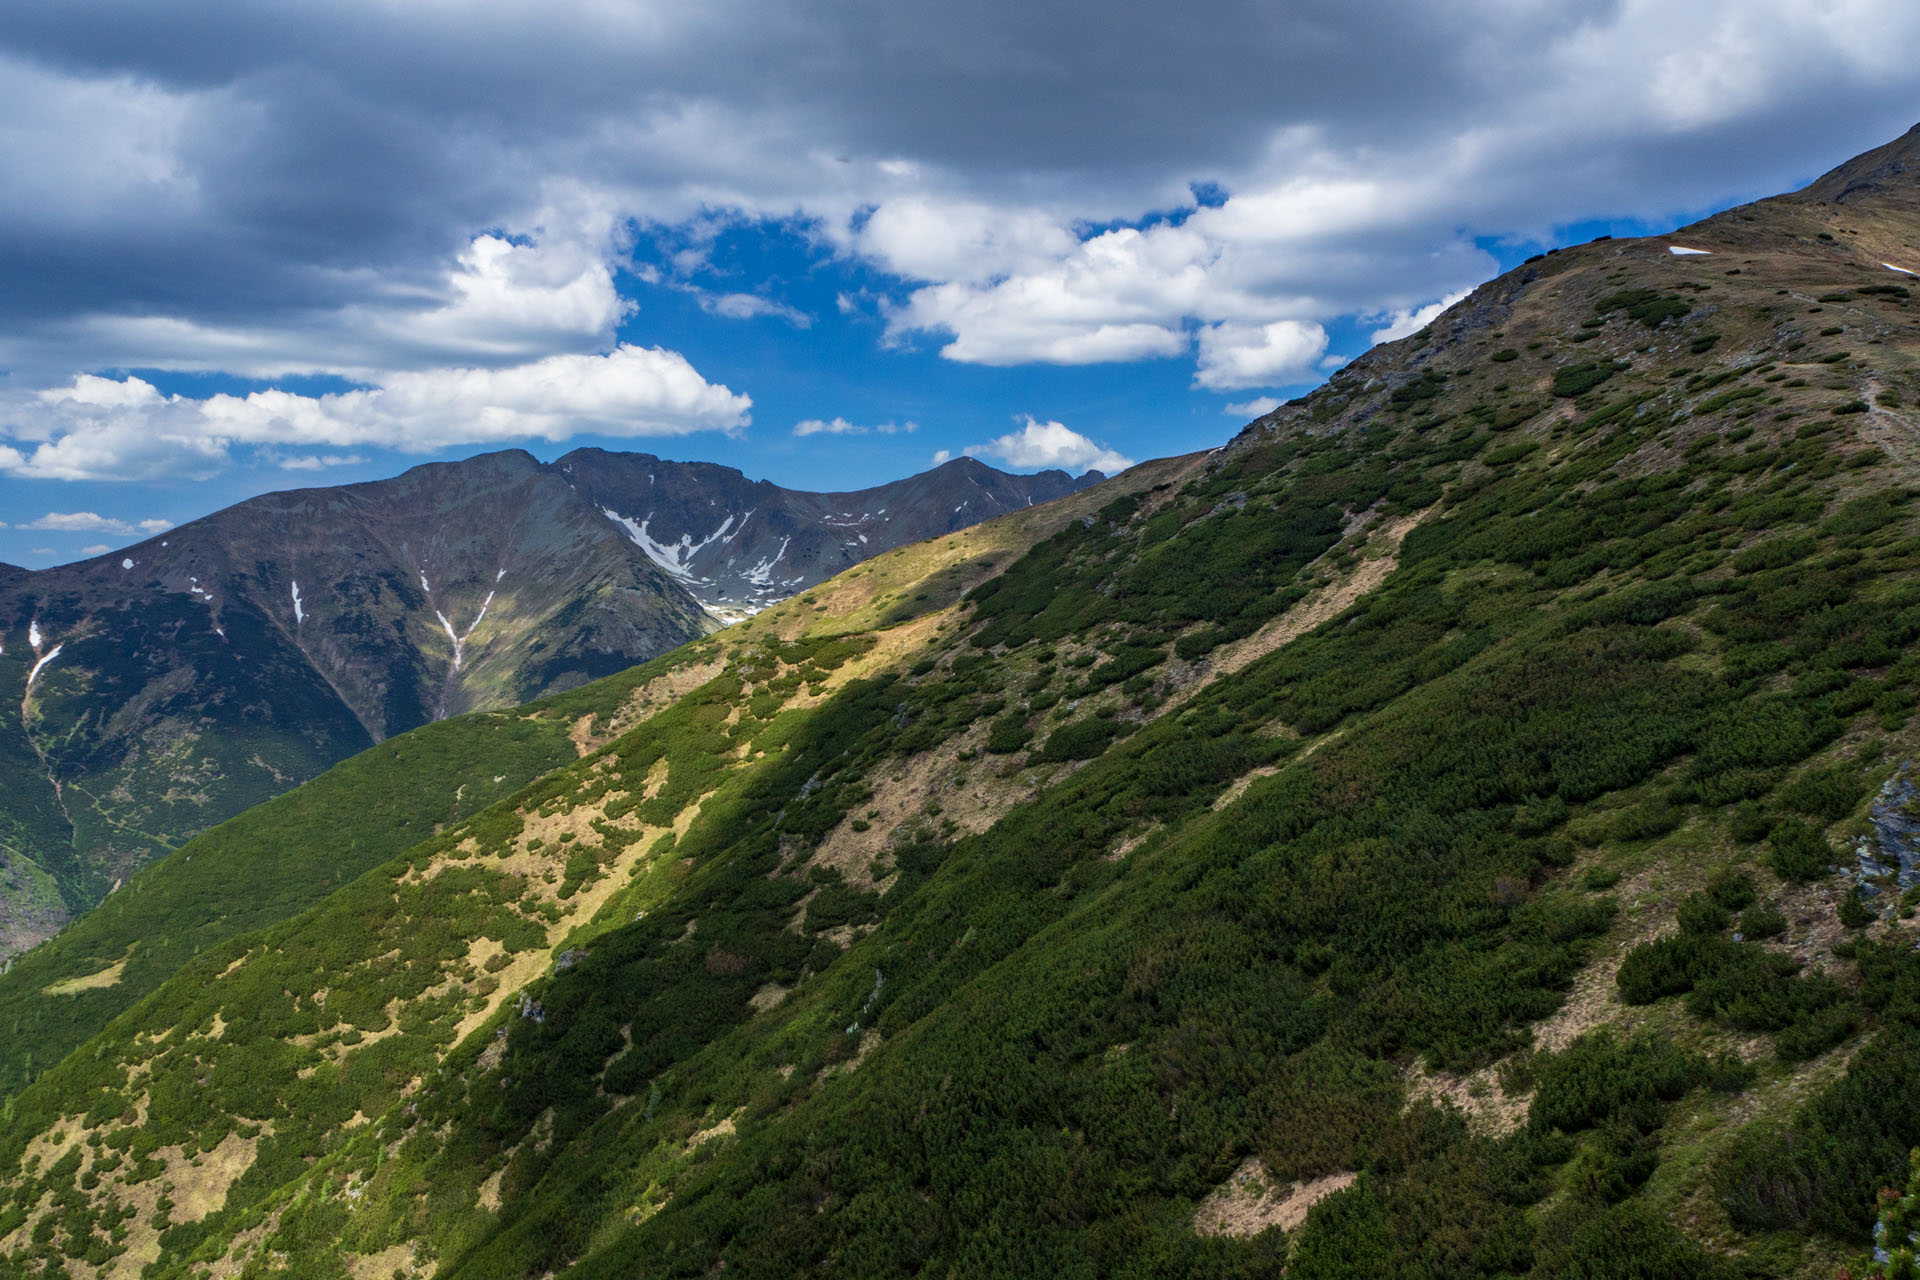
[437, 200]
[91, 522]
[99, 428]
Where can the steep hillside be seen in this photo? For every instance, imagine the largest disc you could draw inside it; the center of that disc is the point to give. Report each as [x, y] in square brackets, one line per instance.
[281, 857]
[1461, 827]
[167, 687]
[740, 545]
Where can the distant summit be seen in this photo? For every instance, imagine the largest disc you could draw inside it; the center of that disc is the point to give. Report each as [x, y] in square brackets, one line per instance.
[167, 686]
[739, 545]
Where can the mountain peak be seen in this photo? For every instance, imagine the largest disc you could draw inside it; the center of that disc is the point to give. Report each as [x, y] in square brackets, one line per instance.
[592, 456]
[967, 464]
[1893, 169]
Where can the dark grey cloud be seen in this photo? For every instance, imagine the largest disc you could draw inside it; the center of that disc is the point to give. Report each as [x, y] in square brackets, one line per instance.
[263, 177]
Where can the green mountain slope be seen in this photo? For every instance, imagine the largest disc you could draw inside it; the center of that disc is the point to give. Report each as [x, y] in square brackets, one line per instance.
[179, 681]
[272, 862]
[281, 857]
[1458, 828]
[200, 672]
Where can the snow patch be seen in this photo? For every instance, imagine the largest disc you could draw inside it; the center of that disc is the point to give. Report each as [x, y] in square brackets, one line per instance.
[424, 585]
[460, 638]
[126, 564]
[33, 634]
[1902, 270]
[299, 614]
[1683, 251]
[451, 635]
[47, 657]
[761, 575]
[675, 557]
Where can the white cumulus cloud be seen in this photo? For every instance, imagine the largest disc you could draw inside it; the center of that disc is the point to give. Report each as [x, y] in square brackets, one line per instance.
[832, 427]
[1041, 445]
[78, 522]
[920, 237]
[105, 428]
[512, 296]
[1408, 321]
[841, 427]
[750, 306]
[318, 461]
[1115, 297]
[1280, 354]
[1258, 407]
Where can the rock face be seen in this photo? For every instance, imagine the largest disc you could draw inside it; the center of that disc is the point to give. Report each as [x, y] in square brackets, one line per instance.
[739, 545]
[151, 693]
[1895, 844]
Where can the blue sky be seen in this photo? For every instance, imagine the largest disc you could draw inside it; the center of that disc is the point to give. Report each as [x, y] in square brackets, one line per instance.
[250, 247]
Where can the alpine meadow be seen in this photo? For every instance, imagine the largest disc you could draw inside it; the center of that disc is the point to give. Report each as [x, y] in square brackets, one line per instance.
[1465, 825]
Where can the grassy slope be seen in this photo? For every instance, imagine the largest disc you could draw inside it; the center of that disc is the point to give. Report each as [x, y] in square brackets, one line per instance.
[281, 857]
[993, 941]
[271, 862]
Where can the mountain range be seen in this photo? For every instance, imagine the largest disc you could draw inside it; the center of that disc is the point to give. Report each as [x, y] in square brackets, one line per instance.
[1462, 826]
[166, 687]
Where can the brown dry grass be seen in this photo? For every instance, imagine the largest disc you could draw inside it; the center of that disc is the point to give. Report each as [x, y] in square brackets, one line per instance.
[1594, 1001]
[582, 907]
[588, 735]
[721, 1128]
[106, 977]
[1250, 1202]
[971, 794]
[1488, 1107]
[200, 1184]
[382, 1265]
[1380, 556]
[197, 1185]
[1238, 787]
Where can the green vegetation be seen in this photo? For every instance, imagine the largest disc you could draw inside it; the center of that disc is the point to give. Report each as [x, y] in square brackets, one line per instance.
[1420, 748]
[1896, 1230]
[278, 859]
[1578, 379]
[1649, 306]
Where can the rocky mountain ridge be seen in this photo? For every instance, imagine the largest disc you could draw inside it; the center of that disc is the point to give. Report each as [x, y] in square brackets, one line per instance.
[738, 545]
[165, 687]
